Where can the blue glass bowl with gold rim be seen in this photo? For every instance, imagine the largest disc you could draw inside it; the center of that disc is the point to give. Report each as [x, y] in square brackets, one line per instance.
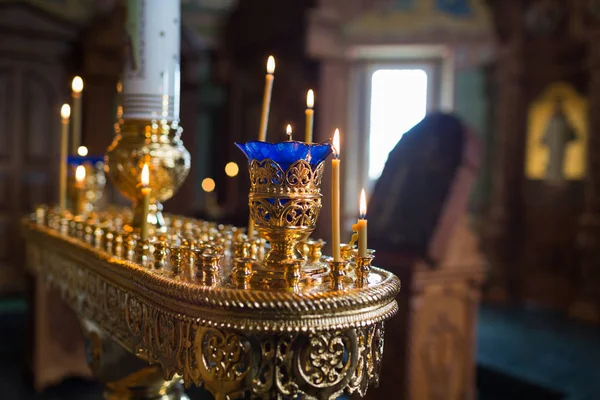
[285, 193]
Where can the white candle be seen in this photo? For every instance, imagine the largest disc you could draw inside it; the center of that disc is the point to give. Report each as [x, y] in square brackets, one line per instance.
[288, 132]
[77, 87]
[264, 118]
[310, 114]
[145, 179]
[362, 226]
[65, 112]
[335, 197]
[151, 75]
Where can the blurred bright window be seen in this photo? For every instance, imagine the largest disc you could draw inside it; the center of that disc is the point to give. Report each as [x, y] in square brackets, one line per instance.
[398, 102]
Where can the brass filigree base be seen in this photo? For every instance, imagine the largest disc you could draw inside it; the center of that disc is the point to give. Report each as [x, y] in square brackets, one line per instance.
[147, 142]
[194, 307]
[125, 376]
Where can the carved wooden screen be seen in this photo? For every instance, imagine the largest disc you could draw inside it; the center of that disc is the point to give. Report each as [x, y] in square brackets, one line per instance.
[33, 85]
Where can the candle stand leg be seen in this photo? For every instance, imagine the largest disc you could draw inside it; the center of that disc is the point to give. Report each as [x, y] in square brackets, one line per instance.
[125, 376]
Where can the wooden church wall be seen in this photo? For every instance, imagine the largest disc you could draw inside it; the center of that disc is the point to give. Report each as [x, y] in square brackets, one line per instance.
[34, 51]
[542, 231]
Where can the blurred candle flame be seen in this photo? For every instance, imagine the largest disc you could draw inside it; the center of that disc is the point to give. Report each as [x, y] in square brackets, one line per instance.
[363, 204]
[270, 65]
[145, 176]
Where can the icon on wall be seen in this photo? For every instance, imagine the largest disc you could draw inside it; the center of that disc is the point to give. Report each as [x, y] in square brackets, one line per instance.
[557, 135]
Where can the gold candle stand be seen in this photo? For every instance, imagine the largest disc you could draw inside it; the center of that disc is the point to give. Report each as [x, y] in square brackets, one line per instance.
[147, 142]
[218, 322]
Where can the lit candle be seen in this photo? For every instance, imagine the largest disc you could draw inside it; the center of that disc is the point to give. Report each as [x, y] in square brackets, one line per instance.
[362, 226]
[264, 119]
[310, 114]
[335, 197]
[79, 189]
[288, 132]
[145, 201]
[65, 113]
[77, 86]
[82, 151]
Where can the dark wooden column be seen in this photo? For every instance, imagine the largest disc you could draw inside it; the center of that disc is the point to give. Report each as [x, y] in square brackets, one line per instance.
[587, 305]
[102, 65]
[503, 234]
[34, 52]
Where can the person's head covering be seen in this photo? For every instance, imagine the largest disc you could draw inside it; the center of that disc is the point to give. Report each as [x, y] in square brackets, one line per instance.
[410, 196]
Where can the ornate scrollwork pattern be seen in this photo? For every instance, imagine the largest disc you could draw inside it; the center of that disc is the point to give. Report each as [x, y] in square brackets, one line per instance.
[264, 174]
[326, 359]
[230, 358]
[286, 212]
[267, 176]
[225, 356]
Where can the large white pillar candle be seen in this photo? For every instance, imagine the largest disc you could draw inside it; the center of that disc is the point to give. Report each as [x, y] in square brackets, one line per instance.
[151, 79]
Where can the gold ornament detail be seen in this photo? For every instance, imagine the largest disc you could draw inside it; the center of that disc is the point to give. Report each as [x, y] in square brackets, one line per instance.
[160, 146]
[284, 205]
[264, 343]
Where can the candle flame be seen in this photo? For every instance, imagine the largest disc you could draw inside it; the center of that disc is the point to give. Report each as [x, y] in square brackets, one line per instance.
[77, 84]
[65, 111]
[145, 175]
[363, 204]
[288, 131]
[82, 151]
[310, 99]
[336, 143]
[80, 174]
[270, 65]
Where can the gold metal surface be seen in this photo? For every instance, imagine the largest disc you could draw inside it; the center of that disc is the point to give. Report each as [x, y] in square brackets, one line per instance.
[215, 319]
[127, 377]
[95, 181]
[147, 142]
[284, 205]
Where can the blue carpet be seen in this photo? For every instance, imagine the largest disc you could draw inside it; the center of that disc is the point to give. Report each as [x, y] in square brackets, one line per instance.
[542, 348]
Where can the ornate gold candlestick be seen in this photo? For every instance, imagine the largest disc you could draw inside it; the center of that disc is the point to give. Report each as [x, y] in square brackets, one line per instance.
[159, 145]
[285, 194]
[221, 321]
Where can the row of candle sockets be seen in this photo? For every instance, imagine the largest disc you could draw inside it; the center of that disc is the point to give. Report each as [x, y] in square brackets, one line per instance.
[193, 248]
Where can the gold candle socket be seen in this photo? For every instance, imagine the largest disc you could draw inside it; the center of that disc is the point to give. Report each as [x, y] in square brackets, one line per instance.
[177, 258]
[207, 266]
[347, 252]
[337, 271]
[293, 274]
[117, 245]
[142, 251]
[41, 212]
[242, 249]
[129, 243]
[242, 272]
[108, 241]
[98, 235]
[362, 270]
[315, 250]
[160, 253]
